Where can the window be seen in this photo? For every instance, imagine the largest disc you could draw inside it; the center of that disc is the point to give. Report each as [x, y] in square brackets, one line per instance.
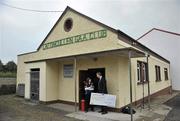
[166, 74]
[142, 72]
[158, 73]
[138, 72]
[68, 24]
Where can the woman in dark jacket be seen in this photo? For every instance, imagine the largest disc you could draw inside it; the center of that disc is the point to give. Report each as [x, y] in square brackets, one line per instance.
[89, 88]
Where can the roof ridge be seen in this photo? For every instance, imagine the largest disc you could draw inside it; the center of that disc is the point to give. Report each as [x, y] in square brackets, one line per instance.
[157, 29]
[118, 32]
[166, 31]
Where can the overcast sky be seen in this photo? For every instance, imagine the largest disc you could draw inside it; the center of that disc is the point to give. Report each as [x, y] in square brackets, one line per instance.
[23, 31]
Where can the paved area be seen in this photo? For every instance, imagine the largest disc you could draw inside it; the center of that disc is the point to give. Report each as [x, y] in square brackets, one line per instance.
[95, 116]
[64, 107]
[157, 112]
[174, 114]
[13, 108]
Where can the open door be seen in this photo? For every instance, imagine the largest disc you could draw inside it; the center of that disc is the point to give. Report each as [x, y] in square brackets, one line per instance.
[92, 75]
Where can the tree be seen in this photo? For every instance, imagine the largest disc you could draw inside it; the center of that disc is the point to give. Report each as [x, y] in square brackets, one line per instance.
[11, 67]
[1, 66]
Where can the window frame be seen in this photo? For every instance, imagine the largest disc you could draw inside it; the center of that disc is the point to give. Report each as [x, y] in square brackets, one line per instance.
[142, 72]
[158, 73]
[166, 74]
[68, 24]
[138, 72]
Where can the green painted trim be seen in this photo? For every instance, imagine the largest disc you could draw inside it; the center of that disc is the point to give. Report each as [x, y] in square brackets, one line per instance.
[76, 39]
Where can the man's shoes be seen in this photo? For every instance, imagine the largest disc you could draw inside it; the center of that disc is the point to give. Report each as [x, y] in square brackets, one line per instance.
[104, 112]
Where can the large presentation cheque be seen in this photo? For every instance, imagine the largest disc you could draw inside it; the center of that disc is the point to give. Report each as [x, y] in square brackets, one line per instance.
[103, 99]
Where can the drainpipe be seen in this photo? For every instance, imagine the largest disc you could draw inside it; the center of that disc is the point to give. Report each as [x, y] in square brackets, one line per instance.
[75, 84]
[143, 91]
[171, 90]
[130, 82]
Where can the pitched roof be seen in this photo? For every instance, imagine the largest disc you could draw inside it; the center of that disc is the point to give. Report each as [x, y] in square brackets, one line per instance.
[128, 39]
[156, 29]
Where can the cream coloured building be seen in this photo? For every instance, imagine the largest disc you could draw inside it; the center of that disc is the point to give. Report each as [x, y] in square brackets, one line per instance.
[77, 47]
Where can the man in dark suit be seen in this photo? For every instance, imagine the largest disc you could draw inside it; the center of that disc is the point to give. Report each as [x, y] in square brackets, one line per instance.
[102, 88]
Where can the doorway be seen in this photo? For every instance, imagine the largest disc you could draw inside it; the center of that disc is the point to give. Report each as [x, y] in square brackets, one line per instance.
[91, 73]
[34, 84]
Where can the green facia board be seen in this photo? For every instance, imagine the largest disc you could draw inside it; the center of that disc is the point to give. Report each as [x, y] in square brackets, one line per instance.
[75, 39]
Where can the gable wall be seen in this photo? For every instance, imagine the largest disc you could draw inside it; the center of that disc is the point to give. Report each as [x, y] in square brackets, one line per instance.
[166, 45]
[81, 25]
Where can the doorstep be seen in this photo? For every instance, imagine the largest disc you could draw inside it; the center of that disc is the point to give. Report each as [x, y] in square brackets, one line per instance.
[95, 116]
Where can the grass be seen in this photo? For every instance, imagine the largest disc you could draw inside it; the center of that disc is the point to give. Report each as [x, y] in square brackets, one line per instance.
[8, 74]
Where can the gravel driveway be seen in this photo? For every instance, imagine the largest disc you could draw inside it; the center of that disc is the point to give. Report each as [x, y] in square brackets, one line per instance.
[14, 108]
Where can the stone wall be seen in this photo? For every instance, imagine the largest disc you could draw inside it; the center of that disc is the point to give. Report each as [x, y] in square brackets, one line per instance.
[7, 86]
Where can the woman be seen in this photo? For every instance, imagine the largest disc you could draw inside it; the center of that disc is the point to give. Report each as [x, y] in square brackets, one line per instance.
[89, 88]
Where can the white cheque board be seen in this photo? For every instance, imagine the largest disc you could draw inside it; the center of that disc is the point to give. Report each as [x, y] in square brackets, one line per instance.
[103, 99]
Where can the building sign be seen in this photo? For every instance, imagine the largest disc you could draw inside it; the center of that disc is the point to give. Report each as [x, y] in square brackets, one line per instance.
[75, 39]
[103, 99]
[68, 70]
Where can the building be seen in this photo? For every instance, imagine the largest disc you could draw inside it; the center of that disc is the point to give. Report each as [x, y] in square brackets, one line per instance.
[166, 44]
[78, 46]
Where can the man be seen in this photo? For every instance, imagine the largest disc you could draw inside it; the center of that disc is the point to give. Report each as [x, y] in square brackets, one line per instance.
[102, 89]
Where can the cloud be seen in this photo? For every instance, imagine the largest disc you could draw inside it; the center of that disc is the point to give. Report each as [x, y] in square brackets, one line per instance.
[22, 31]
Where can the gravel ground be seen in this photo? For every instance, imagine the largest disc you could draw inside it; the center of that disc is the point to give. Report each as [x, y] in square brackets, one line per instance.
[14, 108]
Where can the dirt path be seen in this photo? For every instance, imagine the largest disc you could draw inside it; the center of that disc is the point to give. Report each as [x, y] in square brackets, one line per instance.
[13, 108]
